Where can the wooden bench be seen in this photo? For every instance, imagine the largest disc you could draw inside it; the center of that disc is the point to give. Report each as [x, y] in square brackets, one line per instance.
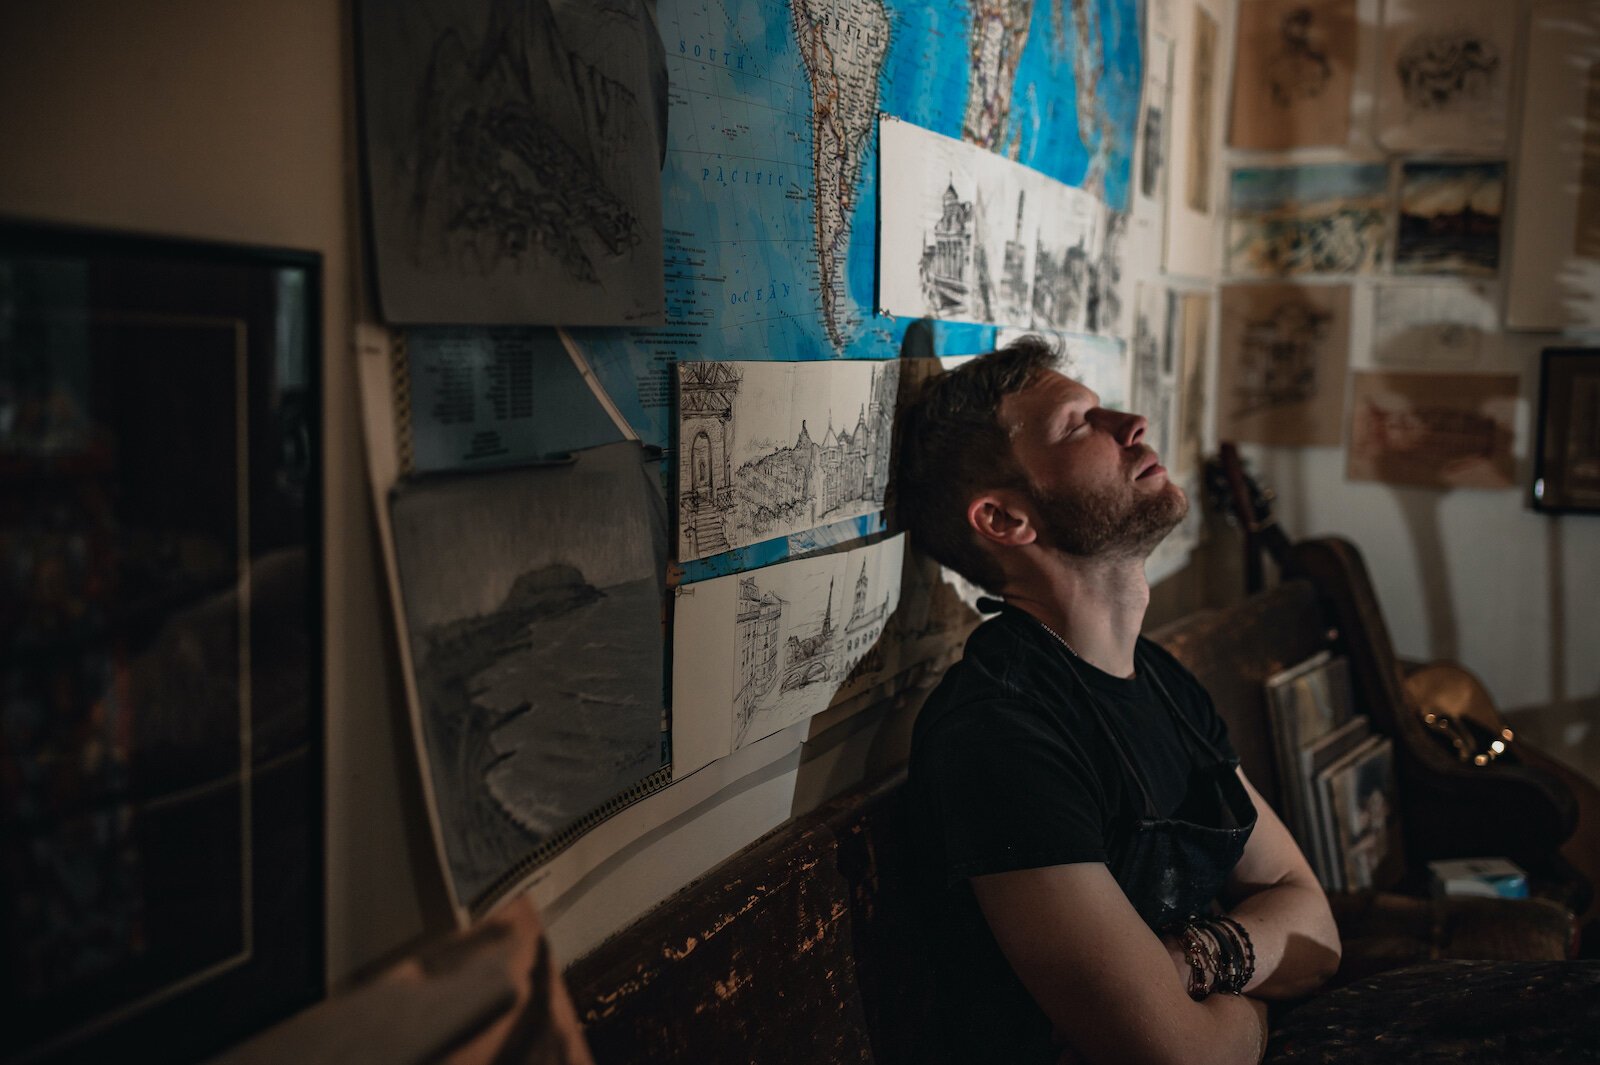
[806, 946]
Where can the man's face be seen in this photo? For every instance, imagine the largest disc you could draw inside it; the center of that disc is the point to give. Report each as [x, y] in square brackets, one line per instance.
[1098, 488]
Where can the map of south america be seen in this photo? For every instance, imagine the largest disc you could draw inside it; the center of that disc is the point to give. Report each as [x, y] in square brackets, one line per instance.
[842, 46]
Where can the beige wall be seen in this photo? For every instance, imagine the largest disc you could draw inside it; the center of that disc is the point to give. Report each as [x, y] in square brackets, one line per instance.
[226, 121]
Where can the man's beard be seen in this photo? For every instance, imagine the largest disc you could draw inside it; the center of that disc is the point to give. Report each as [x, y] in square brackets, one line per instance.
[1111, 522]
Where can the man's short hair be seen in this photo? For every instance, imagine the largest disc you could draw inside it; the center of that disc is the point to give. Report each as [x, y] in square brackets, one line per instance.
[952, 447]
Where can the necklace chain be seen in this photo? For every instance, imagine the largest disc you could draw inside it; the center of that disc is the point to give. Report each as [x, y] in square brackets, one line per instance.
[1059, 638]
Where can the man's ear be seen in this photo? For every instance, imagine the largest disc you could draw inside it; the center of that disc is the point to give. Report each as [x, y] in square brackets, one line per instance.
[1001, 519]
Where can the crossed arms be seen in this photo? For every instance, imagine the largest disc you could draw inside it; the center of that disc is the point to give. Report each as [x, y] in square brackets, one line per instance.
[1116, 992]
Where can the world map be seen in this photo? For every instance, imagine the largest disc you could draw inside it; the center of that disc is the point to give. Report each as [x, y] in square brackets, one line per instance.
[771, 183]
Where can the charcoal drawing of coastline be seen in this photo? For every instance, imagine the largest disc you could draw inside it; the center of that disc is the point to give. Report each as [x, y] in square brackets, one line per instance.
[514, 152]
[1445, 75]
[1450, 218]
[767, 449]
[539, 667]
[1325, 218]
[803, 628]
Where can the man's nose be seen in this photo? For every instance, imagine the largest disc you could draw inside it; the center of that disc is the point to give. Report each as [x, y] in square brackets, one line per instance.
[1127, 429]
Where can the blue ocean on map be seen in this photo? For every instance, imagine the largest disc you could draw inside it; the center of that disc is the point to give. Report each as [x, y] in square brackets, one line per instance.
[748, 247]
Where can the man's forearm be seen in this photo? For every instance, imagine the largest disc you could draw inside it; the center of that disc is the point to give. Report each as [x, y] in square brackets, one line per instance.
[1295, 939]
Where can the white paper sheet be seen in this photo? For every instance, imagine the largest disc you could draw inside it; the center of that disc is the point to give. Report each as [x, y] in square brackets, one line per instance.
[1099, 362]
[1446, 73]
[1200, 67]
[1433, 324]
[768, 449]
[756, 652]
[969, 236]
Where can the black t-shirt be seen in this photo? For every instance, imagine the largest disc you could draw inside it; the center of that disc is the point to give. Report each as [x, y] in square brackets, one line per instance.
[1013, 768]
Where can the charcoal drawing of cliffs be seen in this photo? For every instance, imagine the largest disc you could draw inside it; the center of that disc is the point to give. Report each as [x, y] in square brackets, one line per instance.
[536, 713]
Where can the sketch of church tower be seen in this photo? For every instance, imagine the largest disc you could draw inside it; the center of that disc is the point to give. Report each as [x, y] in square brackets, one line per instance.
[812, 658]
[945, 263]
[706, 392]
[866, 623]
[1014, 275]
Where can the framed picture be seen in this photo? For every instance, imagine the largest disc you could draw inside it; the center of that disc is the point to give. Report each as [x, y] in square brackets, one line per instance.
[1566, 460]
[160, 648]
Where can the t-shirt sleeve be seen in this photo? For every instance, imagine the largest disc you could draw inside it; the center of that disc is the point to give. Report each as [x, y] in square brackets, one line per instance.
[1002, 791]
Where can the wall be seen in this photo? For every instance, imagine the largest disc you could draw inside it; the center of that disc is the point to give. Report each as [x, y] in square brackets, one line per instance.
[1470, 574]
[232, 122]
[226, 122]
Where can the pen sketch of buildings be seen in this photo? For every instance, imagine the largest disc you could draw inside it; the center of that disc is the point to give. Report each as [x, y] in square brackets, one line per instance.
[1435, 430]
[1153, 383]
[1103, 312]
[946, 264]
[1319, 219]
[539, 668]
[706, 392]
[1450, 218]
[514, 150]
[740, 482]
[807, 625]
[1014, 279]
[1445, 77]
[1283, 359]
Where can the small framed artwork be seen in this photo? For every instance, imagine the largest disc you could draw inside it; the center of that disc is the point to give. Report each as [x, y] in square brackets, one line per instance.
[160, 650]
[1566, 458]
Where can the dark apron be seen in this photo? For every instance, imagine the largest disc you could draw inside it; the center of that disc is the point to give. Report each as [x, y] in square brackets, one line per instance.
[1175, 866]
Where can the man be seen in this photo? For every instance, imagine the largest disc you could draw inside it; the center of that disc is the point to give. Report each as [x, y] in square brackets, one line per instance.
[1078, 806]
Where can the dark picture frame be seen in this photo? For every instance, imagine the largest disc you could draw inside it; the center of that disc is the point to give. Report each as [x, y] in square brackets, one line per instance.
[1566, 454]
[161, 722]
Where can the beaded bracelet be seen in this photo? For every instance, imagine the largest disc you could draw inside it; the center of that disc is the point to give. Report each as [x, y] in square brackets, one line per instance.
[1201, 962]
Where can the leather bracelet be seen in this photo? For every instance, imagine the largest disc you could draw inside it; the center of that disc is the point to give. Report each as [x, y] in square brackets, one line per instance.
[1247, 969]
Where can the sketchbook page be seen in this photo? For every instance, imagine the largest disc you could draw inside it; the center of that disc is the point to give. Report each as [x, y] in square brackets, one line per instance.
[969, 236]
[1450, 218]
[1554, 275]
[1283, 357]
[1434, 324]
[1445, 76]
[767, 449]
[539, 667]
[757, 652]
[1434, 430]
[1293, 72]
[1323, 218]
[709, 621]
[1193, 199]
[514, 156]
[489, 397]
[828, 614]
